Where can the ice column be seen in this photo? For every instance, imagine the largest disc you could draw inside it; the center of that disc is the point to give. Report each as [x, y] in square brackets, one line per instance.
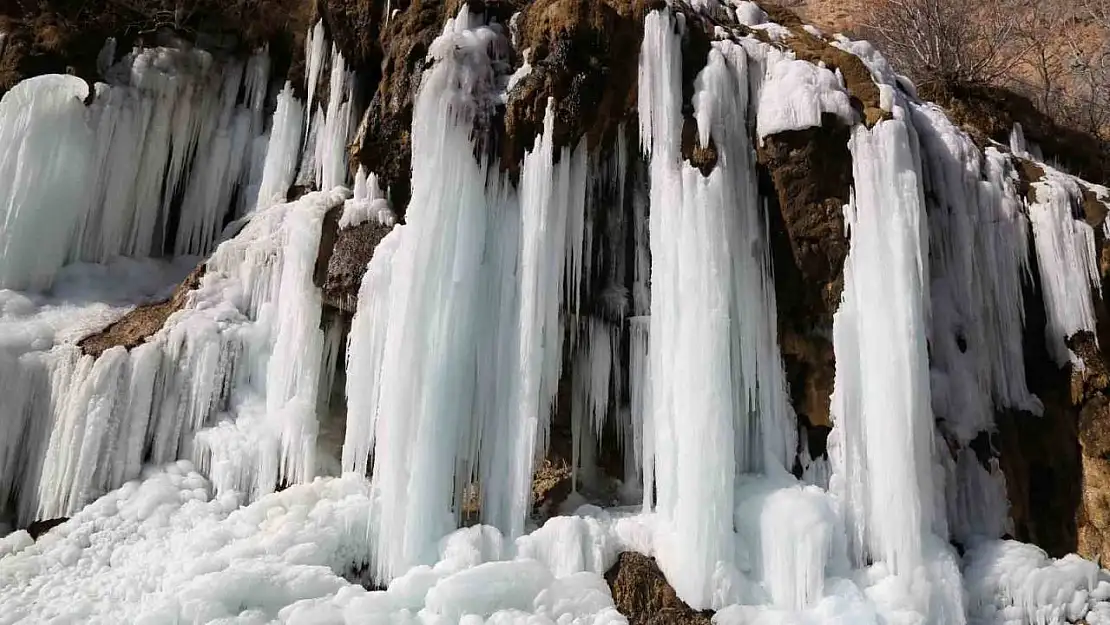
[450, 273]
[44, 170]
[882, 440]
[718, 402]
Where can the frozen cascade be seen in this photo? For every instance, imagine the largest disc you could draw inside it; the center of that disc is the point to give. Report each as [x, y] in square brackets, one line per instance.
[718, 399]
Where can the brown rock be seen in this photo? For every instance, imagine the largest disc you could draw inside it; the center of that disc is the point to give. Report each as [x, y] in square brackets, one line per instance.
[807, 176]
[585, 55]
[989, 113]
[133, 328]
[346, 261]
[642, 593]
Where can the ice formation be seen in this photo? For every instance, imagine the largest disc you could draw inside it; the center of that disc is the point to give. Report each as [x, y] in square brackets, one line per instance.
[625, 291]
[718, 397]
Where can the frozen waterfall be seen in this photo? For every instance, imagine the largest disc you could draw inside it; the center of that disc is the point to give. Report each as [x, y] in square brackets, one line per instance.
[622, 299]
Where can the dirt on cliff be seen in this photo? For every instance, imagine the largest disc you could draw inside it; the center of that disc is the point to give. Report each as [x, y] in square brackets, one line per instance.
[135, 327]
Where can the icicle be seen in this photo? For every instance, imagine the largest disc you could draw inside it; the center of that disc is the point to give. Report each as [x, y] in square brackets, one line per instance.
[331, 144]
[316, 49]
[284, 149]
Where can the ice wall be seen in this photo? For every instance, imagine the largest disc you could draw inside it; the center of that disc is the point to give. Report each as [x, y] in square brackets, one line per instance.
[882, 441]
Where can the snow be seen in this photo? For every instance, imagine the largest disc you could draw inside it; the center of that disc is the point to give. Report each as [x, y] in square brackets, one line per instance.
[167, 549]
[1015, 583]
[794, 94]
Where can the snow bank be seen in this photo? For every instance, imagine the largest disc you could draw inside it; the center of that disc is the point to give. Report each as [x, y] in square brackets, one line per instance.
[167, 550]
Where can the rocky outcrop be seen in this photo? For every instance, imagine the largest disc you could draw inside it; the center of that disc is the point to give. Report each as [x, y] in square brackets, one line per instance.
[989, 113]
[344, 254]
[584, 55]
[641, 593]
[807, 175]
[132, 329]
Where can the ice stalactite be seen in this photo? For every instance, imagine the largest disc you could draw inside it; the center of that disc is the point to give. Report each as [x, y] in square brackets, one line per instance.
[718, 402]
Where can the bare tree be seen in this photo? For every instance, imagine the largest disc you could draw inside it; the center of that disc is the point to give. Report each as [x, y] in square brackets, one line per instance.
[1088, 107]
[1043, 70]
[942, 43]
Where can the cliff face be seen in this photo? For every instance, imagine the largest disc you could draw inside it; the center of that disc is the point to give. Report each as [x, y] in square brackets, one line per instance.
[583, 57]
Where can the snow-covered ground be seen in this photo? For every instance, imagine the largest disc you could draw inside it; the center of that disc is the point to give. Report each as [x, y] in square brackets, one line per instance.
[163, 549]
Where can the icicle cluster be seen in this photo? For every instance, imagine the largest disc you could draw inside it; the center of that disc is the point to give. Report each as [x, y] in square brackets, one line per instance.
[168, 128]
[231, 380]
